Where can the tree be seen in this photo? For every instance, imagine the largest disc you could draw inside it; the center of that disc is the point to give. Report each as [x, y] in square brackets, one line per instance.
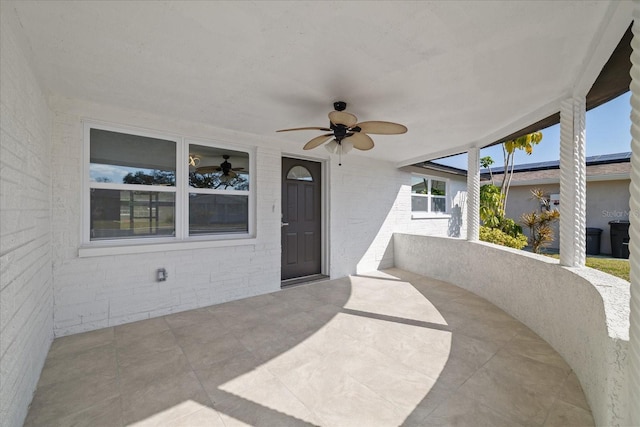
[491, 205]
[486, 163]
[539, 224]
[156, 177]
[526, 143]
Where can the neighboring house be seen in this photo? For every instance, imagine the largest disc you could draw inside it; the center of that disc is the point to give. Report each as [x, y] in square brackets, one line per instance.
[438, 200]
[608, 179]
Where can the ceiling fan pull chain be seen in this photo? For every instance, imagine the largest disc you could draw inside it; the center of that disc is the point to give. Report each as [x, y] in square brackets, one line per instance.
[340, 155]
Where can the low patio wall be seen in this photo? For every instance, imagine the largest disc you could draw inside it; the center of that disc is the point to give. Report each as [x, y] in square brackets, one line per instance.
[581, 312]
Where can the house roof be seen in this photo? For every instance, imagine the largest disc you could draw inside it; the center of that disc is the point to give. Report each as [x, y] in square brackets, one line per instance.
[602, 167]
[457, 74]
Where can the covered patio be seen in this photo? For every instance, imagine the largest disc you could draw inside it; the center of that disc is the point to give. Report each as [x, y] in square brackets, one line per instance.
[332, 353]
[148, 208]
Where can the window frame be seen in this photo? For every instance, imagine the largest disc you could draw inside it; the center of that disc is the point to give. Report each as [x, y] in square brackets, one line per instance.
[181, 238]
[429, 213]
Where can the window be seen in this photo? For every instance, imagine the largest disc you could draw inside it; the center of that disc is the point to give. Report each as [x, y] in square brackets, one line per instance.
[144, 187]
[428, 196]
[299, 173]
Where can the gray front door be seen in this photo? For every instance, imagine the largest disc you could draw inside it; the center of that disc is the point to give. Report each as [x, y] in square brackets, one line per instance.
[301, 218]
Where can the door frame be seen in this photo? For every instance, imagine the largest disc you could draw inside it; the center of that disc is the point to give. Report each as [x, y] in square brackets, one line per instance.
[324, 208]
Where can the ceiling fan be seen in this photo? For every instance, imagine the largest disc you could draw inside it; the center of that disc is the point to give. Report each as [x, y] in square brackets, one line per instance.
[225, 167]
[347, 133]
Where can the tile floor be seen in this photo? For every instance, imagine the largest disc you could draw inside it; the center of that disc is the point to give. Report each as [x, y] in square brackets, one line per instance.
[387, 349]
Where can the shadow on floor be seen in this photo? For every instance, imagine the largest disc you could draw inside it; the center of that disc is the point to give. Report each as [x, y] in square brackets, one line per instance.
[388, 348]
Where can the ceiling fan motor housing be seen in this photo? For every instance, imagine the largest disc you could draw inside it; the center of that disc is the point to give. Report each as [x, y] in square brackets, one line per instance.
[339, 105]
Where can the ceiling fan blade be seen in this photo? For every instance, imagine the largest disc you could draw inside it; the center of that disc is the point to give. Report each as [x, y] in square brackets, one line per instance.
[318, 140]
[307, 128]
[207, 169]
[342, 118]
[361, 141]
[382, 128]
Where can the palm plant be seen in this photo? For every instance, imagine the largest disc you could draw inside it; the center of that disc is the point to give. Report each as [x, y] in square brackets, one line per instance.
[539, 223]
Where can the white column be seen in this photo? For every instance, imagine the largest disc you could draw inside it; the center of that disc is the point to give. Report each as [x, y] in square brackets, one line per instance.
[573, 183]
[634, 230]
[473, 195]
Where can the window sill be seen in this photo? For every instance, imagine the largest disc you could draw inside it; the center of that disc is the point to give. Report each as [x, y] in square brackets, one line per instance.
[430, 215]
[119, 248]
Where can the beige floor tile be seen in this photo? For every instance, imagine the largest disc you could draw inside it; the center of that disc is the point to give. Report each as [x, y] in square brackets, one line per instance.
[131, 332]
[162, 396]
[571, 392]
[203, 354]
[462, 411]
[62, 399]
[418, 415]
[200, 332]
[302, 322]
[507, 398]
[564, 414]
[185, 414]
[145, 370]
[258, 395]
[191, 317]
[99, 362]
[527, 372]
[536, 348]
[107, 413]
[213, 376]
[144, 347]
[329, 353]
[81, 342]
[338, 399]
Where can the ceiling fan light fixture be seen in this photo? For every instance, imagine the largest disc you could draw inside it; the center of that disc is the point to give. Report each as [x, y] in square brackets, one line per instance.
[346, 145]
[332, 147]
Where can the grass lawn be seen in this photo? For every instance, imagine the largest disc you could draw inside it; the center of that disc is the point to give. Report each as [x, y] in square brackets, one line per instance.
[615, 267]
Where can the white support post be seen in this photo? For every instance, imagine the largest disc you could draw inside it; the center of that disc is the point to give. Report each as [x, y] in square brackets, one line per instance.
[634, 229]
[473, 195]
[573, 183]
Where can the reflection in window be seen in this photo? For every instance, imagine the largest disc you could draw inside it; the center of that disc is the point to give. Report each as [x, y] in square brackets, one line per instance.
[217, 168]
[121, 158]
[428, 195]
[299, 173]
[134, 190]
[218, 214]
[131, 214]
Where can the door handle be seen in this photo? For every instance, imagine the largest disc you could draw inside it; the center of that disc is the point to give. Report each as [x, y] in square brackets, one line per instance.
[282, 224]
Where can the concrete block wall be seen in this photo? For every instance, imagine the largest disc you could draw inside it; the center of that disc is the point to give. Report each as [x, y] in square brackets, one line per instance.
[369, 201]
[99, 291]
[26, 296]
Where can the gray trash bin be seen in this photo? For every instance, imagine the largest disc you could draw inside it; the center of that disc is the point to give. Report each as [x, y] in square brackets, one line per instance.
[619, 238]
[593, 241]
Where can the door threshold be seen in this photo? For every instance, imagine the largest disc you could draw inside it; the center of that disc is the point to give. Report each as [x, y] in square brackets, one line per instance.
[296, 281]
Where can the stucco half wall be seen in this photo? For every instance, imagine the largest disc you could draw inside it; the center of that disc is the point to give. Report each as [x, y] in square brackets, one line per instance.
[581, 312]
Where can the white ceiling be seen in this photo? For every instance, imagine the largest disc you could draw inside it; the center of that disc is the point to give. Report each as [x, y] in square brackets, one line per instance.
[456, 73]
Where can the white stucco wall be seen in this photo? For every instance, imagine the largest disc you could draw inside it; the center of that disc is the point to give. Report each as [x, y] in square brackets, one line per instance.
[606, 201]
[26, 297]
[582, 313]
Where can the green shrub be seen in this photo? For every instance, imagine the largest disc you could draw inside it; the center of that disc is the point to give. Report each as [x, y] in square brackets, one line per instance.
[499, 237]
[509, 226]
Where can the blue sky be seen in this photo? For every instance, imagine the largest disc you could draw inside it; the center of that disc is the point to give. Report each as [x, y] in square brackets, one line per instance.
[608, 131]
